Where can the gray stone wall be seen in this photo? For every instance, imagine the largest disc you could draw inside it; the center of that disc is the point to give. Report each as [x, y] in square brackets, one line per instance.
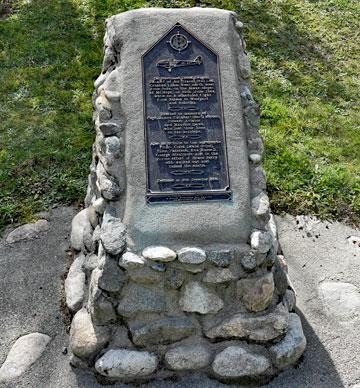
[172, 288]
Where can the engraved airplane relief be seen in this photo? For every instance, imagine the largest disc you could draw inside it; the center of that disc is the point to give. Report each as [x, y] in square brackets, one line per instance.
[172, 63]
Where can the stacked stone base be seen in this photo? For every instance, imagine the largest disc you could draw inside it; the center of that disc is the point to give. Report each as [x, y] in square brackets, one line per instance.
[162, 312]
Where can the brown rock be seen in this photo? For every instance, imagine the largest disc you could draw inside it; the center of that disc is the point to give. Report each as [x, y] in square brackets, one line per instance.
[256, 293]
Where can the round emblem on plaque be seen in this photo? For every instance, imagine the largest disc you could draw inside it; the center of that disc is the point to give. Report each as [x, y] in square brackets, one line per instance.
[179, 42]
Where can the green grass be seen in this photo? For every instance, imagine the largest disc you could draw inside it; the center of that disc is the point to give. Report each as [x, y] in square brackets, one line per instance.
[305, 57]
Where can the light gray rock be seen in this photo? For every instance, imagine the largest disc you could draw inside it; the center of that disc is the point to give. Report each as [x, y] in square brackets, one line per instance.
[109, 150]
[280, 277]
[289, 299]
[86, 339]
[219, 275]
[91, 262]
[113, 82]
[99, 80]
[163, 331]
[260, 206]
[101, 254]
[25, 351]
[75, 284]
[138, 298]
[103, 107]
[255, 158]
[174, 278]
[191, 255]
[257, 328]
[197, 298]
[252, 119]
[220, 258]
[244, 66]
[288, 351]
[109, 60]
[239, 26]
[103, 111]
[99, 305]
[258, 180]
[192, 268]
[93, 218]
[123, 363]
[90, 194]
[99, 205]
[256, 145]
[120, 338]
[111, 278]
[113, 234]
[112, 95]
[261, 241]
[341, 299]
[114, 148]
[110, 128]
[27, 231]
[282, 262]
[144, 275]
[96, 235]
[256, 293]
[130, 260]
[188, 357]
[246, 96]
[102, 310]
[267, 259]
[159, 253]
[249, 260]
[77, 362]
[108, 186]
[88, 238]
[236, 361]
[271, 228]
[79, 222]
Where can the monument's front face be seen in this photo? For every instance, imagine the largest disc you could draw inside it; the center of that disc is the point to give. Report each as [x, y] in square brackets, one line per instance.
[185, 144]
[177, 241]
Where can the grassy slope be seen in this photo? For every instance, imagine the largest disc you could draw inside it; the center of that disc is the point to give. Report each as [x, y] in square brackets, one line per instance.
[306, 65]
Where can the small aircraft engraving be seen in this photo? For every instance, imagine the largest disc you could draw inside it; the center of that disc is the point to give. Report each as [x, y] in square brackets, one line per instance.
[171, 63]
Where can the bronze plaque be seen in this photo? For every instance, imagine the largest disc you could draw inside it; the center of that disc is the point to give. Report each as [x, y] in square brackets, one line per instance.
[184, 126]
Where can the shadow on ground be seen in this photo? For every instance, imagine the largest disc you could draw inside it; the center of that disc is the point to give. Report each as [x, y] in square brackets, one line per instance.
[316, 367]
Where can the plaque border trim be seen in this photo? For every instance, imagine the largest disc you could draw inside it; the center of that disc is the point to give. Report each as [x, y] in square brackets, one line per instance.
[156, 197]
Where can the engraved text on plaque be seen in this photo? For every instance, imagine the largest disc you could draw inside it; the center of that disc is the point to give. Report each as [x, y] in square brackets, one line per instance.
[184, 127]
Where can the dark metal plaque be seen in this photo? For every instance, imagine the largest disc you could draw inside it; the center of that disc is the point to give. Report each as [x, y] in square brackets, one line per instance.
[184, 127]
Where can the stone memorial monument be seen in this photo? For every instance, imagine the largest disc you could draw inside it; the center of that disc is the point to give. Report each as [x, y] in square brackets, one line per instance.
[177, 267]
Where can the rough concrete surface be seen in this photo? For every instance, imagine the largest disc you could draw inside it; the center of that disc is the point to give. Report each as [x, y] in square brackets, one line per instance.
[197, 222]
[30, 293]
